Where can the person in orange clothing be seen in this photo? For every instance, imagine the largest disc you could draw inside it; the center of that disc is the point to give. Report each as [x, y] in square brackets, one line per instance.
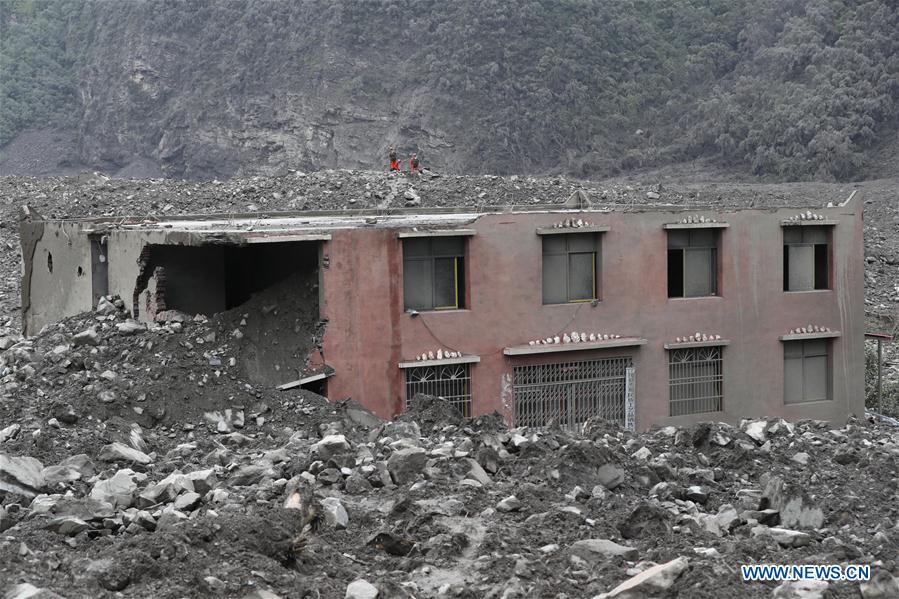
[394, 162]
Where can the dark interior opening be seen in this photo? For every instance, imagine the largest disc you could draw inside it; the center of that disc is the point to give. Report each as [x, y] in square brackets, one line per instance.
[216, 278]
[99, 269]
[675, 273]
[821, 270]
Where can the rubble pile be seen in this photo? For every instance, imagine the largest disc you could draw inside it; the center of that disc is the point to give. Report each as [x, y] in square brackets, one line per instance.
[240, 493]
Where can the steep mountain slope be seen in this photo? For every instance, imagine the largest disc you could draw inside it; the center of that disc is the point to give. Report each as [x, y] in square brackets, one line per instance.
[784, 89]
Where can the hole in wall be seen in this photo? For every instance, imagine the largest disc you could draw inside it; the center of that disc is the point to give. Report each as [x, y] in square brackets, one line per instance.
[50, 262]
[80, 272]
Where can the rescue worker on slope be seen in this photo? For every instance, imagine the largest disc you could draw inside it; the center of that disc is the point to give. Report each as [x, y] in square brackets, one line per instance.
[394, 162]
[414, 166]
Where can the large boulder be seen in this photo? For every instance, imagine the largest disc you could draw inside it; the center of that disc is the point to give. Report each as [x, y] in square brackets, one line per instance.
[405, 465]
[651, 582]
[22, 475]
[117, 491]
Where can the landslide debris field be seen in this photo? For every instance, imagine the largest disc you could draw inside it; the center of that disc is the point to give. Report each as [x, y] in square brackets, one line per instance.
[234, 491]
[137, 461]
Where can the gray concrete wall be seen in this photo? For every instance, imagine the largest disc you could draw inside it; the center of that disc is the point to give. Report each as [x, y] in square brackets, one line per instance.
[48, 296]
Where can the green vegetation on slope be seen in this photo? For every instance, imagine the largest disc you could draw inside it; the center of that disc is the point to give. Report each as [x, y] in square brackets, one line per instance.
[790, 89]
[35, 68]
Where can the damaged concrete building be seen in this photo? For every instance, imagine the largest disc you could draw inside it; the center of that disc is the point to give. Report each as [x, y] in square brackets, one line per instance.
[644, 315]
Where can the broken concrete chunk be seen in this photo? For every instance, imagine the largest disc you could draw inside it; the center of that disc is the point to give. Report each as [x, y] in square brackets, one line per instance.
[649, 582]
[795, 507]
[119, 452]
[405, 465]
[593, 551]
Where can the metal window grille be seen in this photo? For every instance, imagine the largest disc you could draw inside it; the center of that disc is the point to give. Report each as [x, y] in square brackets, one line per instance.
[451, 382]
[695, 381]
[570, 392]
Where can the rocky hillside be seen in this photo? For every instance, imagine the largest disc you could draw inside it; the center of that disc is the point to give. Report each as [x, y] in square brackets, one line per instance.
[212, 88]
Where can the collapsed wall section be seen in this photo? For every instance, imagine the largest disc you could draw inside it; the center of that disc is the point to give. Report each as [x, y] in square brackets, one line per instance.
[265, 295]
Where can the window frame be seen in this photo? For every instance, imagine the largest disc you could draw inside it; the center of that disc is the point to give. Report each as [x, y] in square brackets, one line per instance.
[430, 260]
[714, 376]
[567, 253]
[804, 231]
[714, 249]
[801, 359]
[416, 380]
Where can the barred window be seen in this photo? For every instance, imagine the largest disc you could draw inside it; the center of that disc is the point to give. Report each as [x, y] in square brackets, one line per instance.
[433, 273]
[569, 268]
[806, 370]
[695, 380]
[451, 382]
[692, 262]
[806, 258]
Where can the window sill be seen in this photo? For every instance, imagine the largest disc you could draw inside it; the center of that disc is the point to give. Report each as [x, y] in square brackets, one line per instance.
[818, 335]
[807, 402]
[809, 223]
[446, 311]
[707, 225]
[809, 291]
[578, 303]
[695, 297]
[567, 230]
[443, 362]
[689, 344]
[526, 350]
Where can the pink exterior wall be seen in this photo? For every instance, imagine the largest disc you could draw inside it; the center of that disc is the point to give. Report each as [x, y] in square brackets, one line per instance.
[369, 334]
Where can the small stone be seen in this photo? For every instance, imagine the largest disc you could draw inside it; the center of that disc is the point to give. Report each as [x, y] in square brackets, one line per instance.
[119, 452]
[187, 502]
[801, 589]
[334, 512]
[594, 551]
[509, 504]
[801, 458]
[361, 589]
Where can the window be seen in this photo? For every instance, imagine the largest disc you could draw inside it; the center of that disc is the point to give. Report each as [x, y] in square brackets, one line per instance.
[433, 273]
[695, 380]
[452, 382]
[569, 268]
[805, 258]
[570, 393]
[692, 262]
[806, 370]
